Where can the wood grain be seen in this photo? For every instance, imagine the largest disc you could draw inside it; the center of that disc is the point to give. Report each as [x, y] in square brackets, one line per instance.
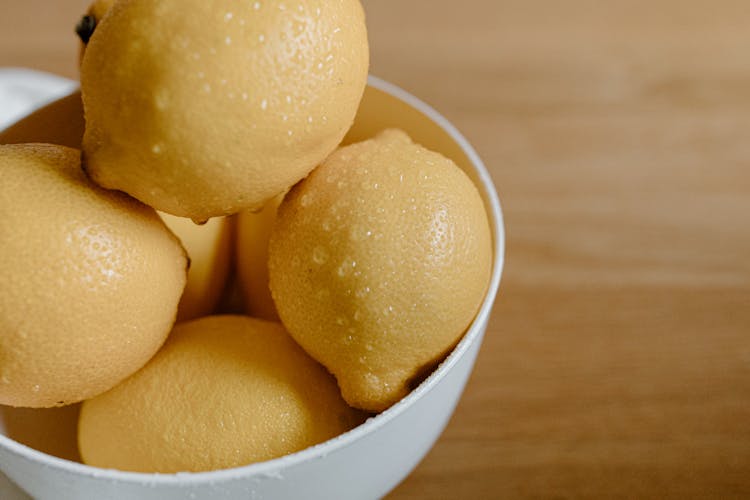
[617, 363]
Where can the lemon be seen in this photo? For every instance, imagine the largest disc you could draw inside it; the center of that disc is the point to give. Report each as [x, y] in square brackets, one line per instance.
[87, 24]
[224, 391]
[253, 233]
[202, 109]
[209, 247]
[378, 263]
[91, 280]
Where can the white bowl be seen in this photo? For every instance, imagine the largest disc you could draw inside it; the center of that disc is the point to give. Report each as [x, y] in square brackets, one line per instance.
[364, 463]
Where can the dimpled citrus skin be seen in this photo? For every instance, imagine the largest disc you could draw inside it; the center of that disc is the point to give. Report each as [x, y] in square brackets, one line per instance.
[253, 233]
[209, 247]
[90, 280]
[202, 109]
[378, 263]
[224, 391]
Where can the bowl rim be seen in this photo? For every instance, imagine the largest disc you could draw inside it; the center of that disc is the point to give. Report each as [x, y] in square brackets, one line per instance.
[271, 468]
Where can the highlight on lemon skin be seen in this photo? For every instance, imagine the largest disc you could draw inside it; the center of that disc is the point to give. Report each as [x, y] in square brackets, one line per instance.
[379, 261]
[91, 280]
[224, 391]
[224, 104]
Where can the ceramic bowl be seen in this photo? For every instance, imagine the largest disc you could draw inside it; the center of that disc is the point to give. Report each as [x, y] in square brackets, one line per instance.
[364, 463]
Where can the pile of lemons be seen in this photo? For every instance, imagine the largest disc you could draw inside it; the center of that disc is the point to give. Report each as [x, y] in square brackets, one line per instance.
[360, 266]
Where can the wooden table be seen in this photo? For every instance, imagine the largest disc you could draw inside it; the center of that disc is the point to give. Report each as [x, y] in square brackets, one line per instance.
[617, 363]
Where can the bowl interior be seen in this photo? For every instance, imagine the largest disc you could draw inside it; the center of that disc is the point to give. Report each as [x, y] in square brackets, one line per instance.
[47, 437]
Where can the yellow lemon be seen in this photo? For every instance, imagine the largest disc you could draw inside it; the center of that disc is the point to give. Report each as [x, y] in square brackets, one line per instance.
[224, 391]
[91, 280]
[87, 24]
[209, 247]
[253, 233]
[202, 109]
[378, 263]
